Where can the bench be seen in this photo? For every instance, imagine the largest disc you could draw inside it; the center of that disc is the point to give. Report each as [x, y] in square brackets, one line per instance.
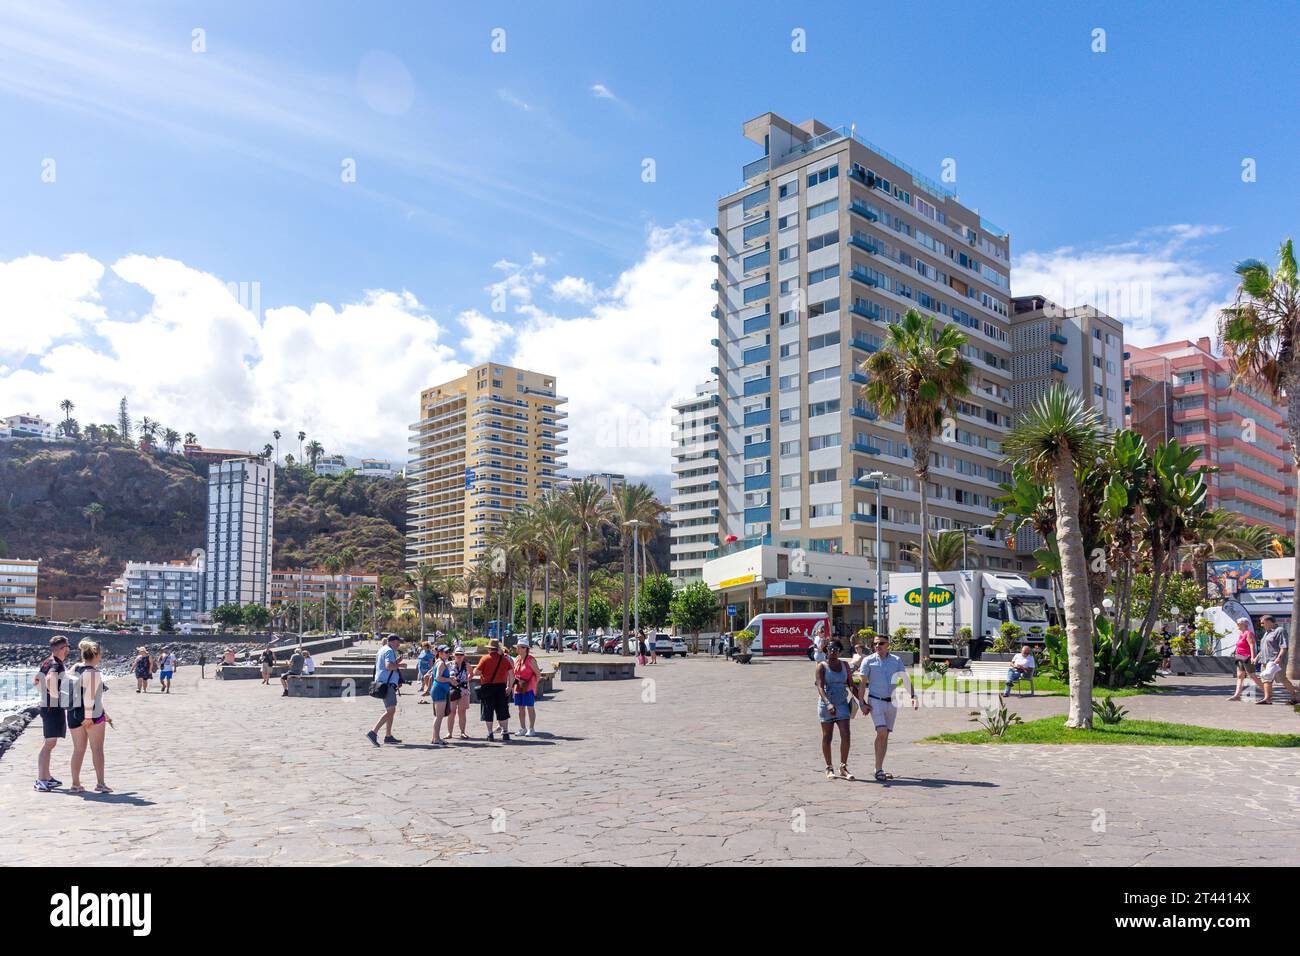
[996, 672]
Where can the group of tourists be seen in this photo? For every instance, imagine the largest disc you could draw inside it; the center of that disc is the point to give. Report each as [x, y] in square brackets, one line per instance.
[444, 678]
[146, 666]
[864, 684]
[71, 700]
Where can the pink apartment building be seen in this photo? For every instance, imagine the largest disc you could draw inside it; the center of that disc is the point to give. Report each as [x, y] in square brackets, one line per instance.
[1183, 390]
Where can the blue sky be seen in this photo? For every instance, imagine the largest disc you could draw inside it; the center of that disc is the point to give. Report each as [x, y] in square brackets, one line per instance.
[518, 175]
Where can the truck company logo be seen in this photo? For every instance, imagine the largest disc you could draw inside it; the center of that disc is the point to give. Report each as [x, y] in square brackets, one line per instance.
[102, 909]
[939, 597]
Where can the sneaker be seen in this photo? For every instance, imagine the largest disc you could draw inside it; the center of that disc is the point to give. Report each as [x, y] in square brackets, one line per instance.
[43, 786]
[505, 737]
[372, 737]
[390, 739]
[492, 737]
[54, 783]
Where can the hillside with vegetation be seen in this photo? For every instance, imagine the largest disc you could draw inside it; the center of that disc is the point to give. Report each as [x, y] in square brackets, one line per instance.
[85, 507]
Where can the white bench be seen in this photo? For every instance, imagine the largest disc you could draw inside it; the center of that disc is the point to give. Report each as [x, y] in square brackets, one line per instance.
[996, 671]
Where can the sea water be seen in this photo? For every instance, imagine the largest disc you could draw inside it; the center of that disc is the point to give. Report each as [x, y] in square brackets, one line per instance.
[17, 689]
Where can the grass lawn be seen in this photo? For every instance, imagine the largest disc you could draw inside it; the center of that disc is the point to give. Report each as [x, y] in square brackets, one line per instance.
[1044, 687]
[1052, 730]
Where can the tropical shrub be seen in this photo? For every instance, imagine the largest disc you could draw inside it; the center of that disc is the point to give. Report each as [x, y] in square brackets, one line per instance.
[1108, 711]
[1122, 657]
[997, 721]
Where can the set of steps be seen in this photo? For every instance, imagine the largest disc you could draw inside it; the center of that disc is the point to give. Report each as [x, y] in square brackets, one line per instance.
[349, 673]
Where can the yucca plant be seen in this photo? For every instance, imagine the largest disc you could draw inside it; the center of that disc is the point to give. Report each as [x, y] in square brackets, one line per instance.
[1109, 712]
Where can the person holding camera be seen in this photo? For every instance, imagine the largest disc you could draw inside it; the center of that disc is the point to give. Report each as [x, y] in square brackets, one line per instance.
[388, 671]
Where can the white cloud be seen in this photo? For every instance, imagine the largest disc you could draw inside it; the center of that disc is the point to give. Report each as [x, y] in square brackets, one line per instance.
[1154, 283]
[508, 97]
[574, 289]
[44, 300]
[485, 336]
[196, 357]
[603, 92]
[199, 360]
[639, 350]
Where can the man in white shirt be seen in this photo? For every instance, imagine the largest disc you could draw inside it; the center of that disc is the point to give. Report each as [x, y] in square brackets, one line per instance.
[1022, 667]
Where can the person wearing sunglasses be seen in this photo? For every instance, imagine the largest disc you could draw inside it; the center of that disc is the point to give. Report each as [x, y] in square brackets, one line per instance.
[879, 672]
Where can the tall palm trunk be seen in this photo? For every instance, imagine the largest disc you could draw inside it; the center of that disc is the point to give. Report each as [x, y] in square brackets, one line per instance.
[1074, 584]
[1291, 385]
[627, 553]
[528, 598]
[921, 465]
[546, 599]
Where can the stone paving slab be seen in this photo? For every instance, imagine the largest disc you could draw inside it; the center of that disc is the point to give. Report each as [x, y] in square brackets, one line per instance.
[697, 762]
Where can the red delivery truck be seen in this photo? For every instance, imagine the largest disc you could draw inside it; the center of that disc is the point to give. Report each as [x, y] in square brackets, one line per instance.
[788, 635]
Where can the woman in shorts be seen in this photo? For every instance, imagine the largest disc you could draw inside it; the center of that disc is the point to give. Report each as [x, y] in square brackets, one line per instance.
[87, 719]
[834, 683]
[437, 684]
[1245, 657]
[525, 685]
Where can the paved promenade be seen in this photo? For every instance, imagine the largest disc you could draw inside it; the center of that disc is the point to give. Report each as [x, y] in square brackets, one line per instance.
[713, 763]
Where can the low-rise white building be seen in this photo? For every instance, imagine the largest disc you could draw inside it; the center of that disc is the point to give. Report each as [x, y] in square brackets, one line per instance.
[151, 586]
[27, 426]
[18, 586]
[331, 465]
[376, 468]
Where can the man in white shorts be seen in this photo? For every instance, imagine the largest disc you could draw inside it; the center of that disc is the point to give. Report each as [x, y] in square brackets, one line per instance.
[879, 671]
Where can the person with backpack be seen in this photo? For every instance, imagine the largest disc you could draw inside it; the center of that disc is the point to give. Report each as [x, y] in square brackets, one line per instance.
[87, 719]
[166, 668]
[142, 668]
[493, 671]
[388, 675]
[54, 718]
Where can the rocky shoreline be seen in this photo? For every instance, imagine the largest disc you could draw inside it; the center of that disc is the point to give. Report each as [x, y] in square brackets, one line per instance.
[122, 656]
[13, 726]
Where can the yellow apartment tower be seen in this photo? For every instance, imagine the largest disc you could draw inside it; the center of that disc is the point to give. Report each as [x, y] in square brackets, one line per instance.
[486, 443]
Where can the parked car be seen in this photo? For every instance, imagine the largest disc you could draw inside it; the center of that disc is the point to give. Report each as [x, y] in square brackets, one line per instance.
[666, 645]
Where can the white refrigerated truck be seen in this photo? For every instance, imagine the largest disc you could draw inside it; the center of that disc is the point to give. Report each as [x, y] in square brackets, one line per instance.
[980, 600]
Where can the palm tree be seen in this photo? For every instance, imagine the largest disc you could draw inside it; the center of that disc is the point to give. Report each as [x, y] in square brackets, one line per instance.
[922, 372]
[276, 435]
[301, 436]
[364, 595]
[67, 407]
[587, 507]
[558, 541]
[191, 438]
[332, 564]
[945, 550]
[314, 450]
[630, 504]
[1260, 333]
[1059, 431]
[93, 432]
[347, 561]
[109, 431]
[93, 513]
[267, 451]
[419, 583]
[148, 427]
[170, 439]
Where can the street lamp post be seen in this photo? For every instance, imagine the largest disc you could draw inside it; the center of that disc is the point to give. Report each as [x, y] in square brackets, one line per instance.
[878, 477]
[634, 524]
[965, 537]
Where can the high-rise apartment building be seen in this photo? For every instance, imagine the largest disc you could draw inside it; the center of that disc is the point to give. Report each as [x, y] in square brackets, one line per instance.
[485, 444]
[694, 505]
[1079, 347]
[828, 242]
[241, 524]
[1183, 390]
[291, 585]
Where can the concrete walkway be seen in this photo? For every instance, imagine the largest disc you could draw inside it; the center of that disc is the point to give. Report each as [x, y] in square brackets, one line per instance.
[704, 762]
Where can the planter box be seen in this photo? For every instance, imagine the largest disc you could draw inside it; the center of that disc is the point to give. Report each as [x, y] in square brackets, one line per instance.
[1187, 666]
